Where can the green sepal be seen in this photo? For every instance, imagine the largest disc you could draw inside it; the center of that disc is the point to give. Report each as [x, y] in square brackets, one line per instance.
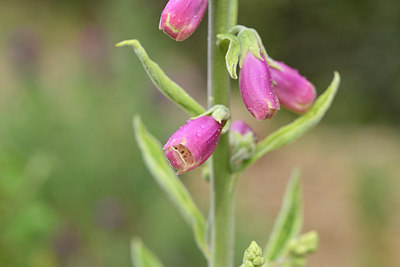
[142, 256]
[250, 40]
[220, 113]
[289, 222]
[166, 86]
[293, 131]
[233, 53]
[166, 178]
[249, 43]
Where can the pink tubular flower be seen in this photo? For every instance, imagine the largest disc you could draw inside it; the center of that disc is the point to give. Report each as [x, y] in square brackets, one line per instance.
[256, 88]
[180, 18]
[294, 91]
[193, 143]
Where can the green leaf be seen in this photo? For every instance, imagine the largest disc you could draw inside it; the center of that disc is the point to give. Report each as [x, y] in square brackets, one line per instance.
[233, 53]
[289, 221]
[291, 132]
[142, 256]
[167, 86]
[166, 178]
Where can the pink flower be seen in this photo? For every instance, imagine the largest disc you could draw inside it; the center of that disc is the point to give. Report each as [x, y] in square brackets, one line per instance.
[256, 88]
[294, 91]
[181, 18]
[193, 143]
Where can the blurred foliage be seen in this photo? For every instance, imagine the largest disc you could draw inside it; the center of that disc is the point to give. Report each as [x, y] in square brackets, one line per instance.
[73, 189]
[375, 200]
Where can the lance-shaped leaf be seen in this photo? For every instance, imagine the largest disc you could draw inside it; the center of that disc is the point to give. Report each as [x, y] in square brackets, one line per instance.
[167, 86]
[142, 256]
[162, 172]
[233, 53]
[289, 221]
[291, 132]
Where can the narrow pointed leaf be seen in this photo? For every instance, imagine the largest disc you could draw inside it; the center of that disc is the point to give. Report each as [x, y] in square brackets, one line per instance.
[233, 53]
[166, 178]
[289, 221]
[167, 86]
[291, 132]
[142, 256]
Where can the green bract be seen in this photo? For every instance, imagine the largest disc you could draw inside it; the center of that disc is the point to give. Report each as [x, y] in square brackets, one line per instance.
[168, 87]
[142, 256]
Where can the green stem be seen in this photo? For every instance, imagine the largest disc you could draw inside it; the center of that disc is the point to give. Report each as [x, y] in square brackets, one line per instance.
[221, 211]
[234, 10]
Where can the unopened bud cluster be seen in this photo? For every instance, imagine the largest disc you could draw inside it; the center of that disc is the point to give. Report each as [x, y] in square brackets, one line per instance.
[253, 256]
[306, 244]
[299, 248]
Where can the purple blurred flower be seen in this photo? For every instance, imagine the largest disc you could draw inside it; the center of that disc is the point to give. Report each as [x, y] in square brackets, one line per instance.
[25, 50]
[181, 18]
[256, 88]
[294, 91]
[193, 143]
[242, 128]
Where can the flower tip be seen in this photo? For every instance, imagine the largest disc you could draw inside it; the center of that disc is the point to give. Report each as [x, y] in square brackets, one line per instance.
[294, 91]
[180, 157]
[181, 18]
[266, 116]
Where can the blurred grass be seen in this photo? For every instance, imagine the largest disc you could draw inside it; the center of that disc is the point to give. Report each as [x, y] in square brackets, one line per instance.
[73, 188]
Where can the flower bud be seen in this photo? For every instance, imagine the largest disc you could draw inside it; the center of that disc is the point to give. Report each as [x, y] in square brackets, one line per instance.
[256, 87]
[294, 91]
[242, 141]
[193, 143]
[306, 244]
[253, 256]
[242, 128]
[180, 18]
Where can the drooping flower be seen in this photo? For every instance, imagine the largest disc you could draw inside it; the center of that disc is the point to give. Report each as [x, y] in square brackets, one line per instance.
[257, 89]
[181, 18]
[294, 91]
[193, 143]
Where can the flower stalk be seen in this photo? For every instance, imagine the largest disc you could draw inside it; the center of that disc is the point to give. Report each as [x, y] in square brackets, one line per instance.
[221, 210]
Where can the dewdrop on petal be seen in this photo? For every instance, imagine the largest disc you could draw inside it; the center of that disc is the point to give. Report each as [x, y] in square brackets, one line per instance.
[193, 143]
[181, 18]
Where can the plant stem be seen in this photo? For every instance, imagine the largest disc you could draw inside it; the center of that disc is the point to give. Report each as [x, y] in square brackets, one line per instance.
[234, 10]
[221, 210]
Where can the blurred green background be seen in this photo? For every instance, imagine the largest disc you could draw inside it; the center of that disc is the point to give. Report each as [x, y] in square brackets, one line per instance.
[74, 190]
